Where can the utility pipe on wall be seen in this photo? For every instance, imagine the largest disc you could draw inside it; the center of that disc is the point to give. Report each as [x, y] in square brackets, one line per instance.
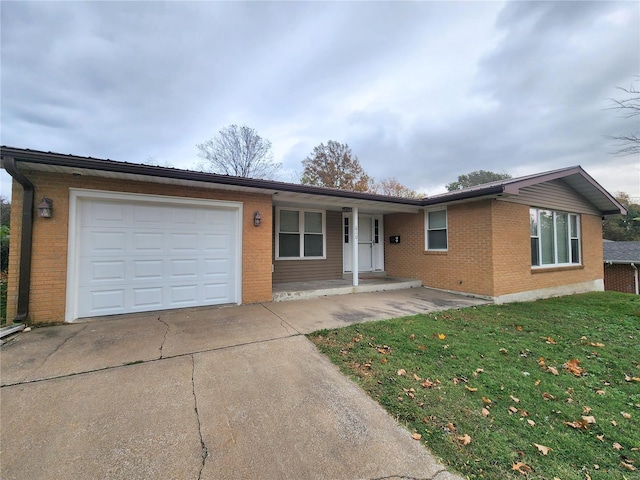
[24, 279]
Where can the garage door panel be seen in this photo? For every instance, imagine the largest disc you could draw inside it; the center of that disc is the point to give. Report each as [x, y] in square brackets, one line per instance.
[136, 256]
[147, 297]
[148, 241]
[217, 292]
[181, 268]
[108, 270]
[144, 270]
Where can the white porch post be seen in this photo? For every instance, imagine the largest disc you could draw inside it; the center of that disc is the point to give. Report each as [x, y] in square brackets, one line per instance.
[354, 246]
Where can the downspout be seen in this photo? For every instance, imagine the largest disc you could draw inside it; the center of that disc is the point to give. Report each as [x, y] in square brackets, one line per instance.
[635, 277]
[24, 279]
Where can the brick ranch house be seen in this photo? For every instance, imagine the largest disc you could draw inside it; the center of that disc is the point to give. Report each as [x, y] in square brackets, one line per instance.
[101, 237]
[621, 263]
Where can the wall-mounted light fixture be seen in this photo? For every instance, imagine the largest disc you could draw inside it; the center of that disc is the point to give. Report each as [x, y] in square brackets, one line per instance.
[257, 218]
[45, 208]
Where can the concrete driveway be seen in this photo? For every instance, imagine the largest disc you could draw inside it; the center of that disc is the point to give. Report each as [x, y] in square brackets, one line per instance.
[205, 393]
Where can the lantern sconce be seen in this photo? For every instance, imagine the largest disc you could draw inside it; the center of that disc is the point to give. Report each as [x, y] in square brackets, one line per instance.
[257, 218]
[45, 208]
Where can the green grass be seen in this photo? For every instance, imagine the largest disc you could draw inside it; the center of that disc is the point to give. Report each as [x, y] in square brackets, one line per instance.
[497, 349]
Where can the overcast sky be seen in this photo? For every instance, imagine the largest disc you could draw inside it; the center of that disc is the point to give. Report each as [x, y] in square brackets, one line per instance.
[422, 92]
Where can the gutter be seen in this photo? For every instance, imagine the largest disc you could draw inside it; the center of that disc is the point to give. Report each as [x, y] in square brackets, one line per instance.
[24, 279]
[635, 277]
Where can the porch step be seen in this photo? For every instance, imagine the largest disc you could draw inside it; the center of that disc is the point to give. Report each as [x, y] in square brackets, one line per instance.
[320, 291]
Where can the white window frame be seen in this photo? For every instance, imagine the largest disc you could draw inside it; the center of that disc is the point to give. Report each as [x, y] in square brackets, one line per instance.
[301, 232]
[570, 238]
[427, 229]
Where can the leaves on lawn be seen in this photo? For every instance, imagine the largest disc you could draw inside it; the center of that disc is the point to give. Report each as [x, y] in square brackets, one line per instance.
[517, 400]
[416, 436]
[578, 424]
[471, 389]
[573, 366]
[465, 439]
[384, 349]
[626, 415]
[617, 446]
[402, 372]
[485, 412]
[542, 449]
[521, 467]
[628, 466]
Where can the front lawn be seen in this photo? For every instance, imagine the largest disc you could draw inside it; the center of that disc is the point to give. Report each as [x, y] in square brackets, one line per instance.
[546, 390]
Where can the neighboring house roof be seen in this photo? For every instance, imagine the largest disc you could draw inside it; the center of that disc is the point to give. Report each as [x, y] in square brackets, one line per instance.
[621, 252]
[575, 177]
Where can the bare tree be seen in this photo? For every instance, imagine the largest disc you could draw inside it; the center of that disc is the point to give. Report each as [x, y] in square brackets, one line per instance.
[334, 166]
[238, 151]
[392, 187]
[629, 107]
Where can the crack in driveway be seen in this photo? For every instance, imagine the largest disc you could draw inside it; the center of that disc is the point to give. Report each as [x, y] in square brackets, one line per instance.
[283, 323]
[166, 332]
[203, 446]
[61, 345]
[405, 477]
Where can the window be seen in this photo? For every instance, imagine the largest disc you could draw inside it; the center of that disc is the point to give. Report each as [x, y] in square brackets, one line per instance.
[300, 233]
[555, 238]
[436, 230]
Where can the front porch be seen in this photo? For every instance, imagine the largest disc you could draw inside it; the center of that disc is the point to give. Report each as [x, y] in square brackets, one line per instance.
[367, 282]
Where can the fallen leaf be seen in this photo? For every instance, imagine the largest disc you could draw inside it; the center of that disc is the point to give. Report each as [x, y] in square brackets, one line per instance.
[542, 449]
[625, 415]
[465, 439]
[541, 362]
[513, 409]
[521, 467]
[548, 396]
[536, 383]
[517, 400]
[627, 378]
[617, 446]
[503, 350]
[549, 340]
[416, 436]
[600, 437]
[578, 424]
[636, 379]
[485, 412]
[628, 466]
[451, 427]
[471, 389]
[385, 349]
[402, 372]
[586, 410]
[614, 423]
[412, 336]
[416, 377]
[422, 347]
[442, 336]
[427, 383]
[598, 344]
[486, 400]
[383, 360]
[553, 370]
[589, 419]
[573, 366]
[600, 392]
[531, 422]
[478, 371]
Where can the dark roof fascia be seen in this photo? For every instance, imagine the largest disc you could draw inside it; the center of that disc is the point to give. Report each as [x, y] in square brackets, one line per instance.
[622, 262]
[73, 161]
[464, 195]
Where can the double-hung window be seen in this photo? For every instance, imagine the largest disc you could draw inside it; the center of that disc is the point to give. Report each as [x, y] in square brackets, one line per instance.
[555, 238]
[300, 234]
[436, 230]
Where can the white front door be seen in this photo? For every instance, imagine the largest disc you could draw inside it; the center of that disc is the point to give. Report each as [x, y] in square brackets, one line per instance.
[365, 243]
[370, 243]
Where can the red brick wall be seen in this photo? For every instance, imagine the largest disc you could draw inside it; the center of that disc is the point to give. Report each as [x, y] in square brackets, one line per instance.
[489, 251]
[49, 256]
[465, 267]
[619, 278]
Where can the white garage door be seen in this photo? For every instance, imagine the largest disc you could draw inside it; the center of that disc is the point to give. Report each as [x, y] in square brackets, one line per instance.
[143, 255]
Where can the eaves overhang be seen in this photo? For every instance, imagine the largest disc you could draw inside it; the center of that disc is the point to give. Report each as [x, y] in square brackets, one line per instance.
[49, 161]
